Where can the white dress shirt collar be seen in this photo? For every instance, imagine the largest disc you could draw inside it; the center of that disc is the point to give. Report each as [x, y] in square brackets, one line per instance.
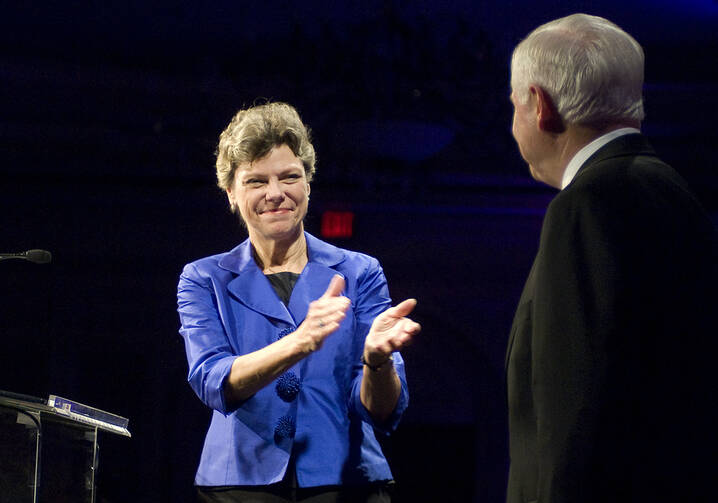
[582, 155]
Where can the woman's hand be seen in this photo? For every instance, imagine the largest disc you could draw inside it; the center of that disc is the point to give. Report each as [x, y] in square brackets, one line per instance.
[254, 371]
[391, 331]
[323, 317]
[380, 386]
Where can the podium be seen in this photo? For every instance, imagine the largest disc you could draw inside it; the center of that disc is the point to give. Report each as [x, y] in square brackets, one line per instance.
[48, 448]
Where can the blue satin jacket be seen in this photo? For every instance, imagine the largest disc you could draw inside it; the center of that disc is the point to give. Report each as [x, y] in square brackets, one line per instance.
[227, 308]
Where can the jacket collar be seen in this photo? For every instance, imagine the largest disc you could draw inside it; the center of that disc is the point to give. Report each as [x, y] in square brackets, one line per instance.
[240, 259]
[626, 145]
[585, 153]
[253, 289]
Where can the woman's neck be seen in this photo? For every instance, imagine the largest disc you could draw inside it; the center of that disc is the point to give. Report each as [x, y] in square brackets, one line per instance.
[278, 256]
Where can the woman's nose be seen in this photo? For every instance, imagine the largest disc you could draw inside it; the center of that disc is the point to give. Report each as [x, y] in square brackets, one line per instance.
[274, 190]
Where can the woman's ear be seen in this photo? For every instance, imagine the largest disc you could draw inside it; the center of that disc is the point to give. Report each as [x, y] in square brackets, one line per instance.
[230, 198]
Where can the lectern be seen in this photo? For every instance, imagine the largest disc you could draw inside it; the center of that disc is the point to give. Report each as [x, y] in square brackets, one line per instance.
[48, 448]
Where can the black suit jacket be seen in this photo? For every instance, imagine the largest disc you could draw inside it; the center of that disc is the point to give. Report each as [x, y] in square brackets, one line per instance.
[611, 361]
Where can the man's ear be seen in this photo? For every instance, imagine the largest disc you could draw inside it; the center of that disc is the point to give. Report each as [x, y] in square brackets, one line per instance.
[548, 117]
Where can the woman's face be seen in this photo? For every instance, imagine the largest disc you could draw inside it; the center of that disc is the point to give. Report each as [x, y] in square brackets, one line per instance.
[272, 195]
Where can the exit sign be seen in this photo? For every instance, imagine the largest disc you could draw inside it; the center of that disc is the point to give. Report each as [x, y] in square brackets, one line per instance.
[337, 224]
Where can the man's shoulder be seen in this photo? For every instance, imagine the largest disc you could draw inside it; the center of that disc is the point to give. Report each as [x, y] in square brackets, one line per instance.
[623, 190]
[623, 170]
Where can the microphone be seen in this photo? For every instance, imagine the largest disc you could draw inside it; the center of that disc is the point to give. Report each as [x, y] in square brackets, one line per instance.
[35, 256]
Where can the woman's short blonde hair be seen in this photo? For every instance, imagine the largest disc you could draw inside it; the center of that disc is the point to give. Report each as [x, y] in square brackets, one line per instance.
[253, 133]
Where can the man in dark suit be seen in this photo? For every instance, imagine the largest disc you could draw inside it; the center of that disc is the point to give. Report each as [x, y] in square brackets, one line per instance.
[610, 364]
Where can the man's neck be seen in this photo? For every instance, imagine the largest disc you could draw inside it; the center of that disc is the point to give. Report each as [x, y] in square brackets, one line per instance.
[595, 143]
[577, 137]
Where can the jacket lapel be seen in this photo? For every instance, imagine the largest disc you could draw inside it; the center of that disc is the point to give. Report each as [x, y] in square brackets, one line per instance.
[253, 289]
[316, 276]
[250, 286]
[311, 285]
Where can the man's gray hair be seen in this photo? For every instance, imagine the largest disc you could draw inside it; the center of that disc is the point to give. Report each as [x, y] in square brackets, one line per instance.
[591, 69]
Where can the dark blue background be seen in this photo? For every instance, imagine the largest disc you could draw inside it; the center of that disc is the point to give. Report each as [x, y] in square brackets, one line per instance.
[109, 118]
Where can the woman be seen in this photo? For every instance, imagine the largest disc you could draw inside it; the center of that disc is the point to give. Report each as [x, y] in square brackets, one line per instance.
[290, 340]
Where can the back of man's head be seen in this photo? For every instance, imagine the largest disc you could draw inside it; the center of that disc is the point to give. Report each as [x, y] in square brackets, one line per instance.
[591, 69]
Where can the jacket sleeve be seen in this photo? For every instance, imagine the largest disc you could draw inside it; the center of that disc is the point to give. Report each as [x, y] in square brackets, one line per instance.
[209, 354]
[373, 299]
[580, 344]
